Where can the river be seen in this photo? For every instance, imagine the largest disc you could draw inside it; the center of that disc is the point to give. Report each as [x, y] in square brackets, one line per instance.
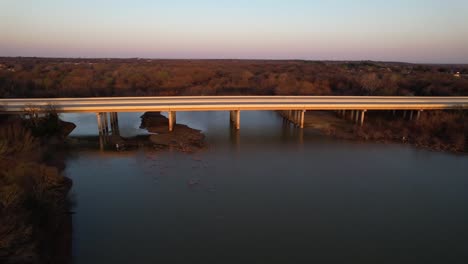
[269, 194]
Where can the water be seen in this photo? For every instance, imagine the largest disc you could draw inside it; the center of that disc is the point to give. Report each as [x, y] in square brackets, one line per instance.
[267, 195]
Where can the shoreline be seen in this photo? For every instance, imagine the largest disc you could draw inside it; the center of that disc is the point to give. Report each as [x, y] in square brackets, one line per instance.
[329, 124]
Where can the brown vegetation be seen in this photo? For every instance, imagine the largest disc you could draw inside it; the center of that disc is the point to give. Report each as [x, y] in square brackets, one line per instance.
[33, 195]
[437, 130]
[34, 77]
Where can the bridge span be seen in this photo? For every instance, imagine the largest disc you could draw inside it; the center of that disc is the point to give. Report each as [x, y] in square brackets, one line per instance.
[292, 108]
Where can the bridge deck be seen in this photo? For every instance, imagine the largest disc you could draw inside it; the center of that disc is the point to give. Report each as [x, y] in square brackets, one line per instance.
[246, 103]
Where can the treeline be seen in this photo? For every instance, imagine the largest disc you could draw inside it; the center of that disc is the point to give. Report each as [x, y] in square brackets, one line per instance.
[38, 77]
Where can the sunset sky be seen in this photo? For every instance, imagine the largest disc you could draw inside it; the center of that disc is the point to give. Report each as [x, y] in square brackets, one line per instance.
[429, 31]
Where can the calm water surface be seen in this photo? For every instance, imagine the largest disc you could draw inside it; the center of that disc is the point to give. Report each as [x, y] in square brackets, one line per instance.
[266, 195]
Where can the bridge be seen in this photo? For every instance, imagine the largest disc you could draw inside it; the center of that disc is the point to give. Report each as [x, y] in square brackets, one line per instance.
[291, 108]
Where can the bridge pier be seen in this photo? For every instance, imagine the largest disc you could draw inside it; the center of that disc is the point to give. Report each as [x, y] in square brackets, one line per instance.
[172, 120]
[99, 123]
[302, 118]
[114, 121]
[343, 114]
[418, 115]
[111, 121]
[106, 123]
[296, 118]
[363, 114]
[102, 123]
[103, 129]
[235, 118]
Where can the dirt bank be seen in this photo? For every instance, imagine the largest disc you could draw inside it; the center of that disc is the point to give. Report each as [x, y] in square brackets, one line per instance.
[182, 138]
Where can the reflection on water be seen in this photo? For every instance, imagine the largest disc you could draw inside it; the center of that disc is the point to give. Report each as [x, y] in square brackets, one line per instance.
[266, 194]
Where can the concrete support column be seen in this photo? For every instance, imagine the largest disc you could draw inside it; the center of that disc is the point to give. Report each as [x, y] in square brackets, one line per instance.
[117, 120]
[102, 123]
[106, 123]
[363, 114]
[418, 115]
[99, 123]
[356, 119]
[411, 115]
[170, 123]
[237, 119]
[294, 117]
[102, 128]
[302, 118]
[112, 121]
[172, 120]
[404, 114]
[297, 117]
[116, 130]
[352, 115]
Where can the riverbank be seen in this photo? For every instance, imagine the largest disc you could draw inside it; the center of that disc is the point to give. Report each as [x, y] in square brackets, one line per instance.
[437, 131]
[35, 226]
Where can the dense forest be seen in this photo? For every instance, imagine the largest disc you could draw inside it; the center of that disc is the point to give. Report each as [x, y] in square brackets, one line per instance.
[42, 77]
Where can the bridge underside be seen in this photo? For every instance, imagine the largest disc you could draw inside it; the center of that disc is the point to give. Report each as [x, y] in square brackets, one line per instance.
[108, 121]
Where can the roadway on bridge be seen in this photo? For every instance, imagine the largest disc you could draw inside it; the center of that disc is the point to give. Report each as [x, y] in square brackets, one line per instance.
[217, 103]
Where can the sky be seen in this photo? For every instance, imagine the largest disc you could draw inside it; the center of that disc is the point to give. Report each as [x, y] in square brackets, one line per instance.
[429, 31]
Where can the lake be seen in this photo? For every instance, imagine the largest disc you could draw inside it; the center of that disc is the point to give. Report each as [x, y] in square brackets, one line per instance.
[267, 194]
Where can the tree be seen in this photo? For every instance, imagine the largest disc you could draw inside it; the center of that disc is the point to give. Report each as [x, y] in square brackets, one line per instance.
[370, 83]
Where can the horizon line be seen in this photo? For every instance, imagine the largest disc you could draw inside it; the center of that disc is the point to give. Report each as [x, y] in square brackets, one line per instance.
[235, 59]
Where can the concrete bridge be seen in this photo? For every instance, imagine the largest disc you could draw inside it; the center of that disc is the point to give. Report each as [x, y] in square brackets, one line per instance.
[291, 108]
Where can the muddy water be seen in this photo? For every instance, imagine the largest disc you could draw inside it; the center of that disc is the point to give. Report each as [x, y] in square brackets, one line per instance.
[269, 194]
